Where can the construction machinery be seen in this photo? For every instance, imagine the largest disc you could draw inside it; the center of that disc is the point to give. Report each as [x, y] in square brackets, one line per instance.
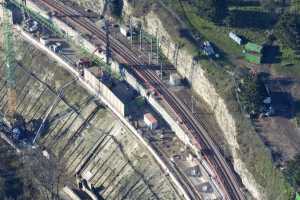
[10, 62]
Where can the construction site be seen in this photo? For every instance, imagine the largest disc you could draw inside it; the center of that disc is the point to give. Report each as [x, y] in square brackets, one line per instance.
[72, 89]
[93, 143]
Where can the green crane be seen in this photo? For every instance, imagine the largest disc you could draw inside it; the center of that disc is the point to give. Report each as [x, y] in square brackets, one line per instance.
[10, 62]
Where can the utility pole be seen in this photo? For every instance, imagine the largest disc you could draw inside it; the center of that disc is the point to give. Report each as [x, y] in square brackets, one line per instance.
[23, 9]
[157, 50]
[141, 36]
[107, 43]
[161, 70]
[192, 71]
[151, 49]
[192, 104]
[175, 56]
[130, 27]
[10, 63]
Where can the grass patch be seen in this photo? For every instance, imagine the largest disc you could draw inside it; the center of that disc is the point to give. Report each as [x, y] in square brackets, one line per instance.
[218, 35]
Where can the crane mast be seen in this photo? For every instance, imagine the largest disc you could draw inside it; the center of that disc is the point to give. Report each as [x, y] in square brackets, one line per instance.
[10, 62]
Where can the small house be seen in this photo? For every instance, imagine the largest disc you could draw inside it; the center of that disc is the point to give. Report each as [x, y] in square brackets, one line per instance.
[150, 121]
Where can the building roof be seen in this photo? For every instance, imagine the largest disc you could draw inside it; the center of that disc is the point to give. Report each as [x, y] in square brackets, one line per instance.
[150, 117]
[297, 196]
[253, 47]
[255, 58]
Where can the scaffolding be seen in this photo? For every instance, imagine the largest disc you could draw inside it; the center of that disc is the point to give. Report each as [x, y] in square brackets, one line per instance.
[10, 62]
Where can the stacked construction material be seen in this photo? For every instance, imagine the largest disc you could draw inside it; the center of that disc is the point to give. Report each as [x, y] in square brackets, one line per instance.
[253, 53]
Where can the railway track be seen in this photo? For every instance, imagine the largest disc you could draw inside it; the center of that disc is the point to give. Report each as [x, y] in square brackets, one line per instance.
[223, 173]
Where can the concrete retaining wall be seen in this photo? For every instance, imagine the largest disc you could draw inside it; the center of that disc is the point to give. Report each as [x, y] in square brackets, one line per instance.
[104, 91]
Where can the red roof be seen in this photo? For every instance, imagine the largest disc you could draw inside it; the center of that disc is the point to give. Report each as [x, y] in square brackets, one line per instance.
[150, 117]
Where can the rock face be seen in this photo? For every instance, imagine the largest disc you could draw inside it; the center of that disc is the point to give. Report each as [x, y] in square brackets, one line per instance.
[183, 60]
[95, 5]
[89, 139]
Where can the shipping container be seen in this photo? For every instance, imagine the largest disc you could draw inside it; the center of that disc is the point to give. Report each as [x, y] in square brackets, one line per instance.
[252, 47]
[235, 38]
[253, 58]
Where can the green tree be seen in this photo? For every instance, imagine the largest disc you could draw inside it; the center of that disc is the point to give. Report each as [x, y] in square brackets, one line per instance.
[115, 7]
[292, 172]
[252, 93]
[288, 27]
[269, 5]
[214, 10]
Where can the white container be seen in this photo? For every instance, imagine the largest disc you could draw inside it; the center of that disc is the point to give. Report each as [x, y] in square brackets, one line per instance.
[175, 79]
[235, 38]
[150, 121]
[124, 30]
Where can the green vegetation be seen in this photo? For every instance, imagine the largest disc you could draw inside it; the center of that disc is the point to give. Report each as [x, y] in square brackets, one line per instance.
[253, 47]
[209, 31]
[292, 172]
[252, 93]
[214, 10]
[297, 196]
[45, 22]
[116, 7]
[139, 101]
[288, 27]
[258, 161]
[253, 58]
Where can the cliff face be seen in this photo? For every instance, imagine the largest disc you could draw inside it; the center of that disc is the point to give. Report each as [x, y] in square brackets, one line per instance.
[95, 5]
[204, 88]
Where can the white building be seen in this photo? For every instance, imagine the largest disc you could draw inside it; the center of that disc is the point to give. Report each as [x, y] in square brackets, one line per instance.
[150, 121]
